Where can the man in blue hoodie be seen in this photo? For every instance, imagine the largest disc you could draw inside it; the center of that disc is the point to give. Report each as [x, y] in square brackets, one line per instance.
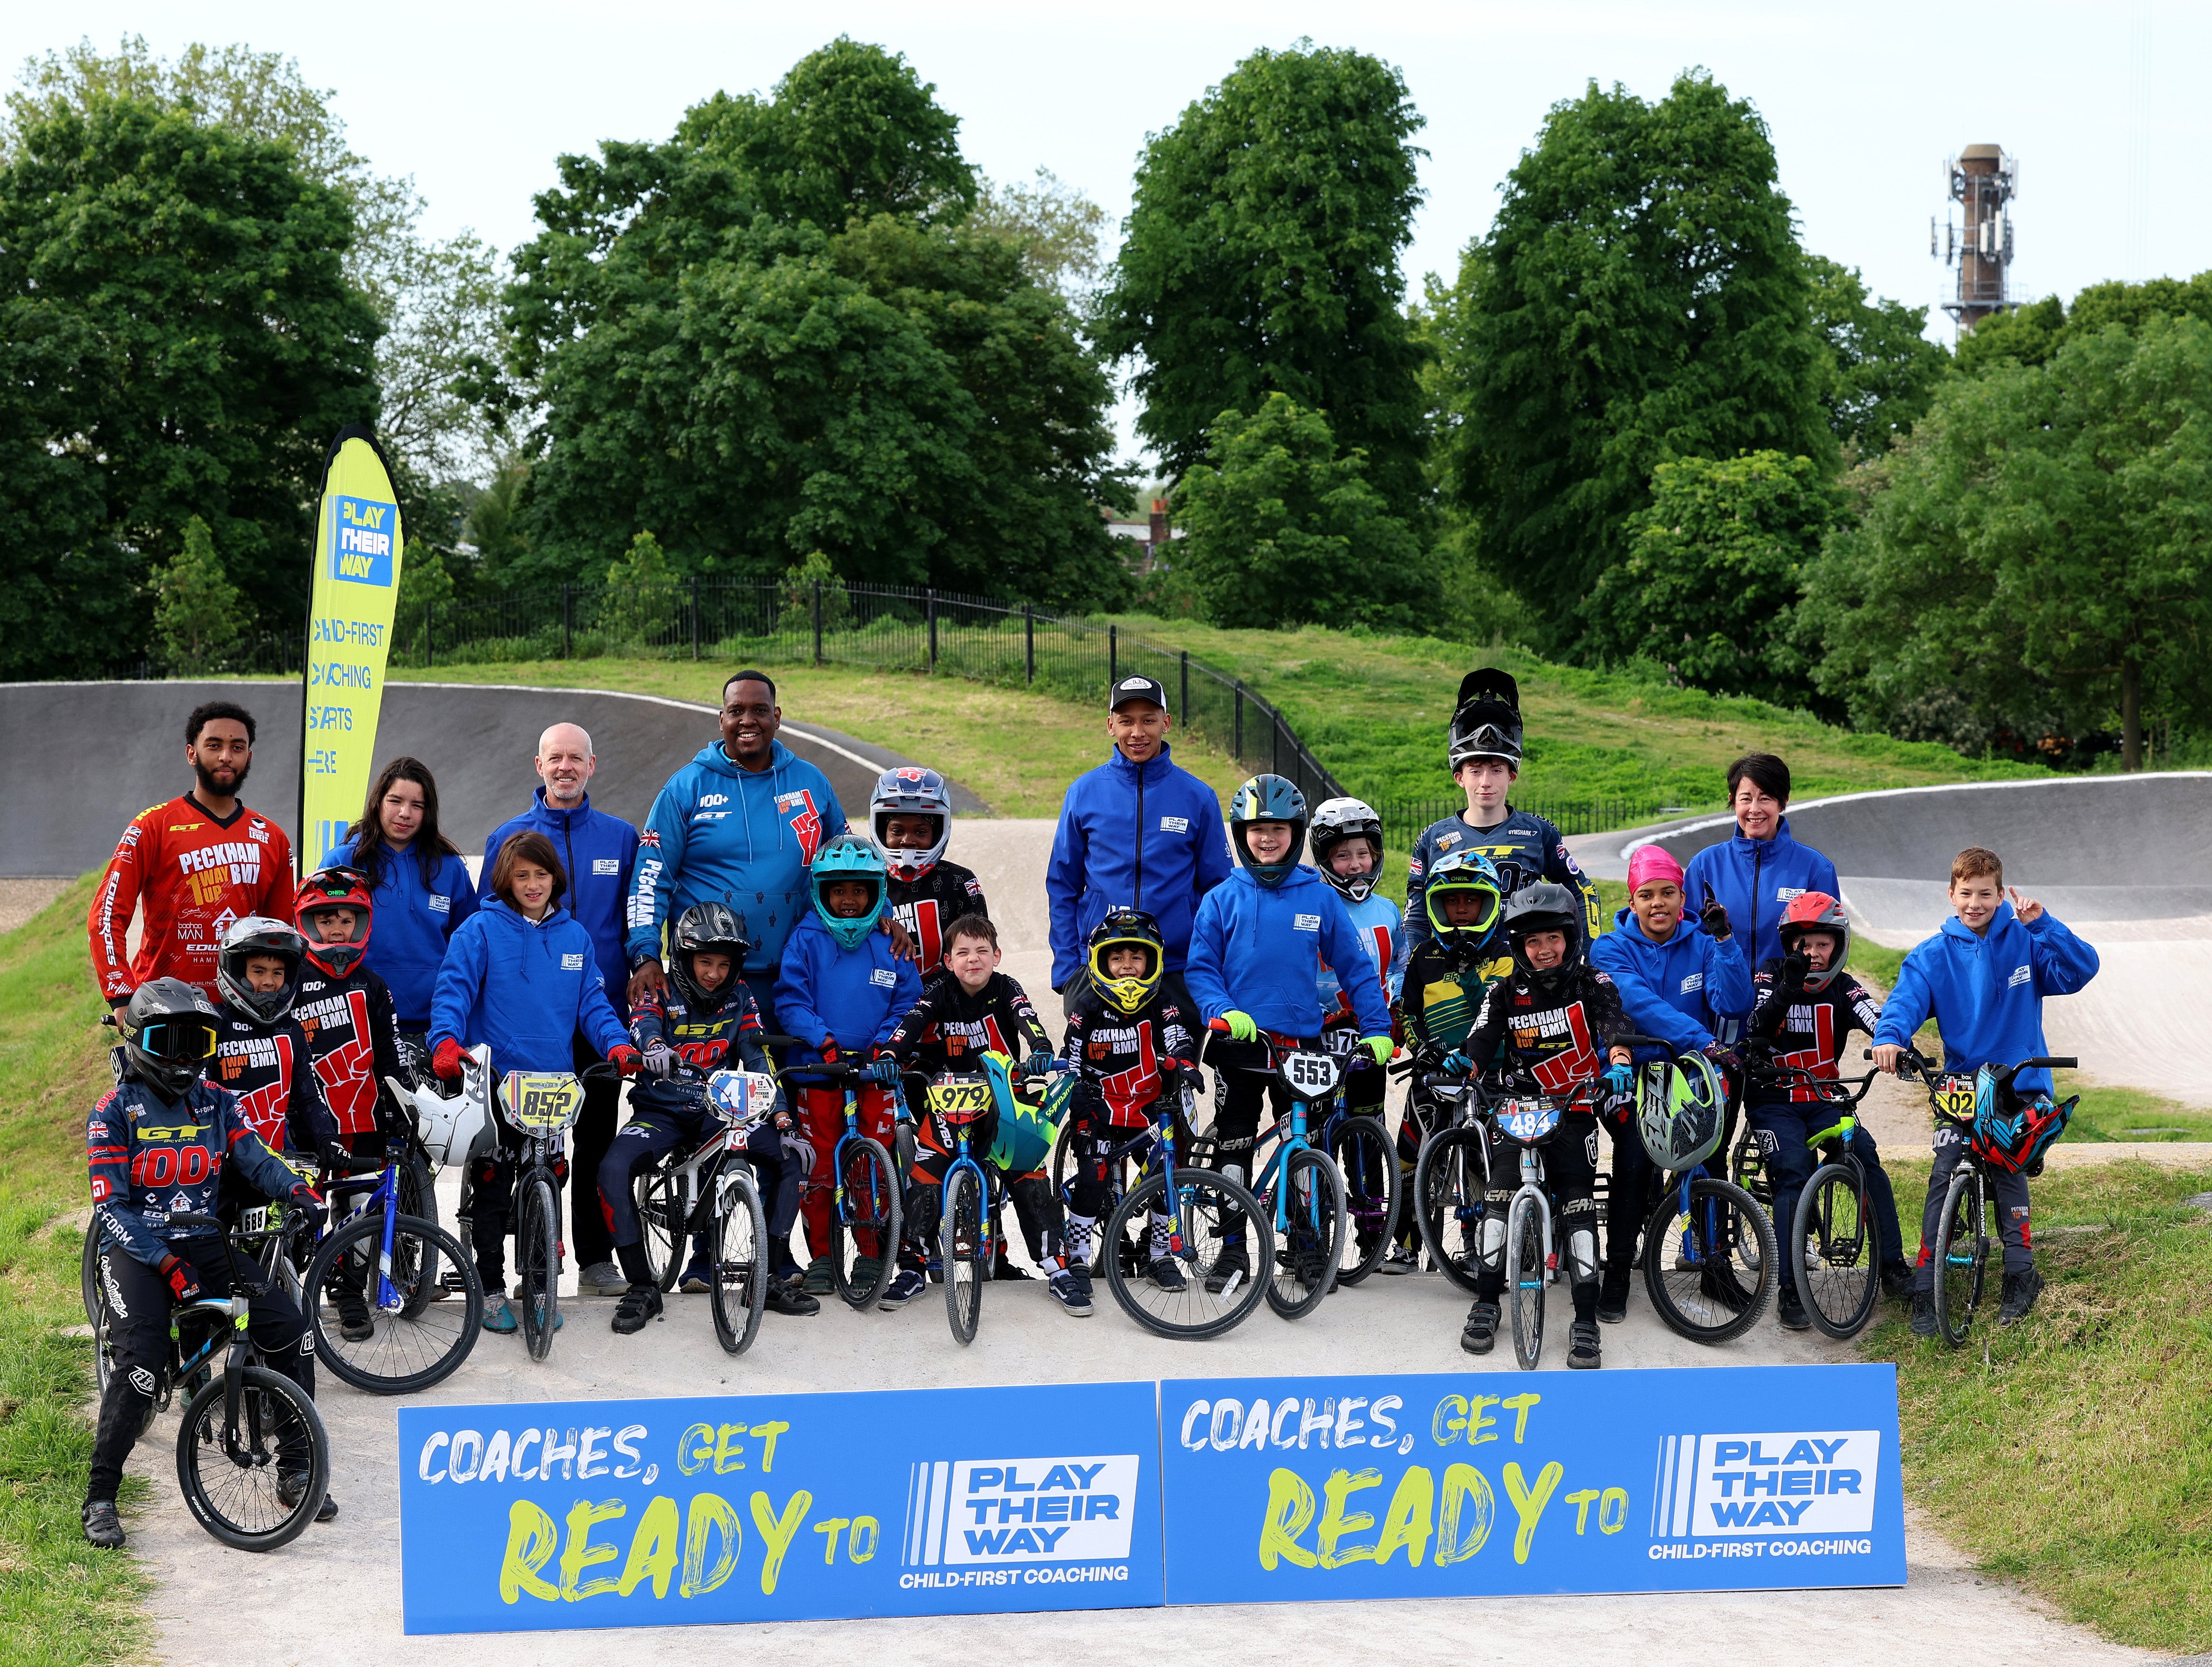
[1140, 831]
[1983, 979]
[1755, 873]
[1681, 980]
[597, 853]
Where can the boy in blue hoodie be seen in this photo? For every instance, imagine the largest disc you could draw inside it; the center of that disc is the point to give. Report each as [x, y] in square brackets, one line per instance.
[1983, 978]
[842, 992]
[1681, 980]
[1753, 874]
[1256, 951]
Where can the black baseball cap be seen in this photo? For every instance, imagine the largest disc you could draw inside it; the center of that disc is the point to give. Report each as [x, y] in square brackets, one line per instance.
[1136, 689]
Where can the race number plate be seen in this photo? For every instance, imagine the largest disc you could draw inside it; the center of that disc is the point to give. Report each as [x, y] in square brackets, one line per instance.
[959, 1099]
[547, 1102]
[1309, 1075]
[259, 1219]
[740, 1096]
[1528, 1119]
[1954, 1097]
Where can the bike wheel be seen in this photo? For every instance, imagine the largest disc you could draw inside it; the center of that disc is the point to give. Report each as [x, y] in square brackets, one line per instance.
[538, 1263]
[660, 1222]
[737, 1241]
[1835, 1261]
[964, 1249]
[417, 1342]
[1709, 1260]
[1449, 1183]
[87, 1273]
[1311, 1241]
[1961, 1254]
[870, 1212]
[234, 1489]
[1369, 1163]
[1208, 1215]
[1747, 1169]
[1525, 1274]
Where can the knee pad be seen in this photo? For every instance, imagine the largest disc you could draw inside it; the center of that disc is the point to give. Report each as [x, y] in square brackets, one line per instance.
[1490, 1244]
[1582, 1254]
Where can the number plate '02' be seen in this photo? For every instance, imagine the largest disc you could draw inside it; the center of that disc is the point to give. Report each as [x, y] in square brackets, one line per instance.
[1954, 1096]
[1309, 1075]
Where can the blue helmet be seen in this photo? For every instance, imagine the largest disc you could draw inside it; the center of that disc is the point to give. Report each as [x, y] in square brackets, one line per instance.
[1268, 799]
[848, 857]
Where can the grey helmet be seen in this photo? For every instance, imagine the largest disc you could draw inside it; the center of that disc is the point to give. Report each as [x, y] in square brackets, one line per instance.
[1335, 822]
[246, 937]
[717, 929]
[1544, 907]
[168, 1036]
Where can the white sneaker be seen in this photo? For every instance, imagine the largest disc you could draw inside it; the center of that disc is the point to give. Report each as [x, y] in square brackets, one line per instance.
[601, 1279]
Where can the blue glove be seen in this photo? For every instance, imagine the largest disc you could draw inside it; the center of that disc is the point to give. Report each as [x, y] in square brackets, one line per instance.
[1457, 1063]
[1619, 1079]
[882, 1072]
[1038, 1064]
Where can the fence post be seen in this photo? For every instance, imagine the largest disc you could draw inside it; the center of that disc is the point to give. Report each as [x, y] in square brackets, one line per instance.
[694, 616]
[1183, 712]
[930, 592]
[1113, 655]
[817, 621]
[1275, 744]
[568, 626]
[1236, 747]
[429, 635]
[1029, 644]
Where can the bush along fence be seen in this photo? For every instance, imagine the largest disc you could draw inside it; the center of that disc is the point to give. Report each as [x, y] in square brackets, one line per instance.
[891, 628]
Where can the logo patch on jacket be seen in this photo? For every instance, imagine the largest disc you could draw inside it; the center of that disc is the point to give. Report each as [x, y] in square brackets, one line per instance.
[572, 963]
[1695, 981]
[1175, 824]
[1306, 923]
[606, 865]
[440, 904]
[883, 976]
[2019, 975]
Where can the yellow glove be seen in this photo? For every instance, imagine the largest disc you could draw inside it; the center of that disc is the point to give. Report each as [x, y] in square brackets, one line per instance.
[1241, 1026]
[1379, 1048]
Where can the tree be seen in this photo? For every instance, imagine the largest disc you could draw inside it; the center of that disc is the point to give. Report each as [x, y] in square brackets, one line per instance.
[1283, 529]
[1714, 569]
[2031, 335]
[196, 609]
[2043, 543]
[640, 596]
[1639, 297]
[1885, 371]
[1054, 226]
[1262, 256]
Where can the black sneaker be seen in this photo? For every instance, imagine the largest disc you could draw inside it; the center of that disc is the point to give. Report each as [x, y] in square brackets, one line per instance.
[1613, 1295]
[1400, 1258]
[293, 1483]
[355, 1324]
[1167, 1274]
[102, 1526]
[1790, 1309]
[1924, 1313]
[907, 1284]
[789, 1295]
[638, 1304]
[2020, 1290]
[1070, 1297]
[1232, 1261]
[1480, 1332]
[1078, 1274]
[1003, 1268]
[1896, 1280]
[1585, 1352]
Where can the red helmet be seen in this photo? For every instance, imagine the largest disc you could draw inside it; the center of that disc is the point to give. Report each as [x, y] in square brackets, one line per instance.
[320, 892]
[1816, 911]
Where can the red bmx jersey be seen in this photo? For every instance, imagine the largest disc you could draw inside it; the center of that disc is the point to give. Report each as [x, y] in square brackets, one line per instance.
[195, 876]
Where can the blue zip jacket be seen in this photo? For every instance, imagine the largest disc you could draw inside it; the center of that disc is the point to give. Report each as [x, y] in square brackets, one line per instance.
[1681, 990]
[1258, 950]
[599, 851]
[1755, 879]
[857, 995]
[1147, 837]
[1986, 993]
[721, 834]
[412, 924]
[1382, 929]
[526, 989]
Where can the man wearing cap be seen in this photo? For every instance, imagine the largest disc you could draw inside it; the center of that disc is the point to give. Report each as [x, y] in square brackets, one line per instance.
[1137, 832]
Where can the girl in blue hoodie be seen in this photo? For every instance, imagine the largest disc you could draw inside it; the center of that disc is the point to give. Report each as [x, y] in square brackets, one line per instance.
[420, 886]
[519, 975]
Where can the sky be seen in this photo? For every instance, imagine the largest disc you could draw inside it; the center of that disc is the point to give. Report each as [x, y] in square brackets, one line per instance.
[475, 101]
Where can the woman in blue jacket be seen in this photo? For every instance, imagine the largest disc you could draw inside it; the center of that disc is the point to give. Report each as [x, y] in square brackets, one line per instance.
[420, 904]
[1753, 874]
[520, 976]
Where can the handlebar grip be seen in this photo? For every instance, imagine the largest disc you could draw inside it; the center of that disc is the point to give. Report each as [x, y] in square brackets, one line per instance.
[2050, 1063]
[1221, 1025]
[1633, 1041]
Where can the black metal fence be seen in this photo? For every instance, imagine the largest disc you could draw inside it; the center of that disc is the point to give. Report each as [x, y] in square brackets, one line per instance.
[1404, 818]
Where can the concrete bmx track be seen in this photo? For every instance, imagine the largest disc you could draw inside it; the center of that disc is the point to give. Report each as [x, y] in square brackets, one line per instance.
[100, 752]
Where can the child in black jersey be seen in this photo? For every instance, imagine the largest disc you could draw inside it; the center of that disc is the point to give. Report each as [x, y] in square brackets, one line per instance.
[911, 812]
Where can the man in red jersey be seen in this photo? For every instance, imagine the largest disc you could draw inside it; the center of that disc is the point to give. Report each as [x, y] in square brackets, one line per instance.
[198, 862]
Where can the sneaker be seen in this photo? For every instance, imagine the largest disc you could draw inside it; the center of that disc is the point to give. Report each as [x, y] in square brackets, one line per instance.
[1896, 1280]
[1167, 1273]
[1400, 1258]
[102, 1526]
[499, 1320]
[1924, 1313]
[817, 1277]
[355, 1324]
[2020, 1290]
[1232, 1260]
[293, 1483]
[1585, 1352]
[1001, 1268]
[1480, 1332]
[865, 1269]
[602, 1279]
[907, 1284]
[788, 1295]
[639, 1304]
[1612, 1294]
[1079, 1273]
[1073, 1300]
[698, 1277]
[1790, 1309]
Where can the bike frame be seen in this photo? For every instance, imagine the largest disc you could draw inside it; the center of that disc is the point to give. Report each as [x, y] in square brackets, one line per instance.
[1294, 1140]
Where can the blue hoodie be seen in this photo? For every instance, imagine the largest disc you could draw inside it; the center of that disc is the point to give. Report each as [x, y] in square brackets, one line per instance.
[1140, 836]
[1679, 989]
[857, 995]
[598, 850]
[1258, 950]
[1986, 993]
[721, 834]
[412, 924]
[1755, 879]
[526, 989]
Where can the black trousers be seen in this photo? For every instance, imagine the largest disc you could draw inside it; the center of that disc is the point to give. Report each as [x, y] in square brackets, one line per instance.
[491, 1213]
[649, 1134]
[589, 1238]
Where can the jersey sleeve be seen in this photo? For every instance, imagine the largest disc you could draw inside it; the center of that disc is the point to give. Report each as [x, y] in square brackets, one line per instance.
[648, 1018]
[1770, 1000]
[309, 1123]
[1178, 1039]
[382, 1039]
[1063, 888]
[1488, 1030]
[659, 858]
[906, 1036]
[1856, 1005]
[108, 1155]
[113, 902]
[1560, 865]
[1026, 1022]
[277, 891]
[1607, 1017]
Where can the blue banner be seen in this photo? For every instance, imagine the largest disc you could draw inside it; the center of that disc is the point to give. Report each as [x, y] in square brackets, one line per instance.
[779, 1507]
[1290, 1489]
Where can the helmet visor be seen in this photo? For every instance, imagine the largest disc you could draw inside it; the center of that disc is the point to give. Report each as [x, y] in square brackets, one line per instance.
[184, 1040]
[1476, 921]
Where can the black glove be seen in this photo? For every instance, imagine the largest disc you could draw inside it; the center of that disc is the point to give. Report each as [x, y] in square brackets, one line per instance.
[1795, 966]
[334, 1157]
[1713, 916]
[184, 1278]
[1722, 1055]
[304, 1201]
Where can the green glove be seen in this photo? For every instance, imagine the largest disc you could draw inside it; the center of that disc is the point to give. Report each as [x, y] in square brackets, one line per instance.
[1241, 1027]
[1379, 1048]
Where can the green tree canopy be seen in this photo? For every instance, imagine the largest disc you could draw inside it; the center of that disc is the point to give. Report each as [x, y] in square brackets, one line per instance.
[1262, 256]
[1884, 372]
[2031, 335]
[1283, 529]
[1640, 297]
[2043, 545]
[196, 612]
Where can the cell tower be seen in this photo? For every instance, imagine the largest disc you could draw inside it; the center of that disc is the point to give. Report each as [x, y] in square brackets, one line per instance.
[1985, 180]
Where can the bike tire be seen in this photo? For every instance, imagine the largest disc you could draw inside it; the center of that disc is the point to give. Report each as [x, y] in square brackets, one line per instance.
[1311, 1243]
[1836, 1259]
[1747, 1170]
[239, 1504]
[1450, 1193]
[1368, 1159]
[1709, 1299]
[660, 1222]
[420, 1344]
[538, 1263]
[1958, 1273]
[872, 1206]
[737, 1233]
[1525, 1275]
[1207, 1202]
[88, 1275]
[964, 1251]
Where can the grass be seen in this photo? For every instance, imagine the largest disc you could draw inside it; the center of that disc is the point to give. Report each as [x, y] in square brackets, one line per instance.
[2071, 1454]
[61, 1601]
[1015, 749]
